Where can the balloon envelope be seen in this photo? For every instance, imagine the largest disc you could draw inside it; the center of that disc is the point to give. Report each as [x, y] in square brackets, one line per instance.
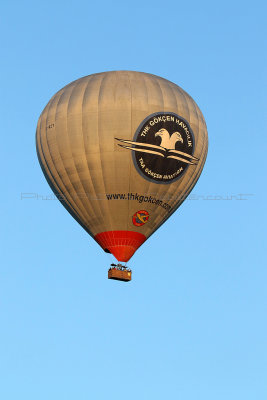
[121, 150]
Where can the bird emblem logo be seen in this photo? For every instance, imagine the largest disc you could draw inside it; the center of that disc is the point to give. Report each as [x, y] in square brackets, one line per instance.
[162, 148]
[140, 218]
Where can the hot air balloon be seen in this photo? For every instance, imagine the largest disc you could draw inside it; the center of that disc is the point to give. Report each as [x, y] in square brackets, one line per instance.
[121, 150]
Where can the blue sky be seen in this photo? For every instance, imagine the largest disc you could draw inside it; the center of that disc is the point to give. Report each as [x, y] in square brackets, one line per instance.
[192, 323]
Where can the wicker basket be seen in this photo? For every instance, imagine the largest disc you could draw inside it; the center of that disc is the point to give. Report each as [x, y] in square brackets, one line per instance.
[120, 275]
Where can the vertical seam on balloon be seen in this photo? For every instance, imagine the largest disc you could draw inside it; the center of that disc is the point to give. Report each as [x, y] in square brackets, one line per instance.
[109, 205]
[113, 239]
[81, 217]
[130, 163]
[87, 215]
[158, 190]
[105, 204]
[140, 79]
[193, 181]
[146, 78]
[87, 203]
[76, 205]
[190, 174]
[100, 221]
[170, 189]
[114, 161]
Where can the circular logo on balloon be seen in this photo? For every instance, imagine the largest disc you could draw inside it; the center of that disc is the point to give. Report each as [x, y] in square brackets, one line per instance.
[162, 148]
[140, 218]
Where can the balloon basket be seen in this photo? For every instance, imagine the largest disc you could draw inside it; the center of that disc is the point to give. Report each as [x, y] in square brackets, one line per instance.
[119, 273]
